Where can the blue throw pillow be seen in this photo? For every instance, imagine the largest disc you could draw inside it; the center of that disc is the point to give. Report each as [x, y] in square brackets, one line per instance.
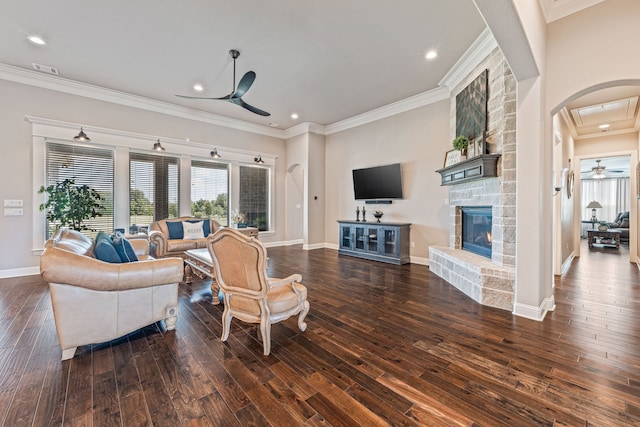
[105, 250]
[124, 248]
[175, 229]
[206, 226]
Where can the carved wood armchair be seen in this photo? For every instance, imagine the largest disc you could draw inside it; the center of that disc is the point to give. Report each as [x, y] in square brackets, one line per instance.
[249, 295]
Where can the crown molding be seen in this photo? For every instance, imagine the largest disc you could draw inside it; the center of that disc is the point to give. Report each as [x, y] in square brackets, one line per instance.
[411, 103]
[554, 10]
[61, 84]
[477, 52]
[303, 128]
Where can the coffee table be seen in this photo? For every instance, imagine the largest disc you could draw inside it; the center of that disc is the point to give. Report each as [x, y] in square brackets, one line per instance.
[607, 238]
[199, 261]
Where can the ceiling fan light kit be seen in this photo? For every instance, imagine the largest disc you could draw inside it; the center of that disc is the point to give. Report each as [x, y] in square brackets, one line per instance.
[235, 97]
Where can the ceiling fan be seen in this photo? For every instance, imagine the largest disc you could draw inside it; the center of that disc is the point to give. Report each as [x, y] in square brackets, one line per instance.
[597, 172]
[235, 97]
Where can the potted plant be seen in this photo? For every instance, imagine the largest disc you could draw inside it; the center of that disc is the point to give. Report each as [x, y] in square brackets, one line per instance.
[239, 219]
[461, 143]
[603, 226]
[70, 205]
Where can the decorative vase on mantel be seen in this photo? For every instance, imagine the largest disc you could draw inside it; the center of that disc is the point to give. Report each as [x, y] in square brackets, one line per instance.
[378, 215]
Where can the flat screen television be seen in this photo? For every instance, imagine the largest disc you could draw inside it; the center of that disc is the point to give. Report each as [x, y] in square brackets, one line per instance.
[380, 182]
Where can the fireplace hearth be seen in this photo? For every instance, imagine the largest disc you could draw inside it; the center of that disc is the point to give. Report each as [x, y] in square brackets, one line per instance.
[476, 229]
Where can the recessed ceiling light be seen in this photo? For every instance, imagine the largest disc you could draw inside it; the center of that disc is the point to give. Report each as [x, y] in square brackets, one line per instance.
[37, 40]
[431, 54]
[604, 126]
[294, 116]
[198, 87]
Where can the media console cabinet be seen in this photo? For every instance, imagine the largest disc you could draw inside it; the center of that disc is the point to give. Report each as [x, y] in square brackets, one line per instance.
[378, 241]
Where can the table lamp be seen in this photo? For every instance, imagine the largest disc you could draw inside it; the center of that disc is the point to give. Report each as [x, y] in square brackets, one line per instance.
[593, 206]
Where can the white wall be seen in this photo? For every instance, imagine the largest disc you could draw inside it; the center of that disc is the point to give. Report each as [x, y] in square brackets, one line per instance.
[417, 139]
[18, 100]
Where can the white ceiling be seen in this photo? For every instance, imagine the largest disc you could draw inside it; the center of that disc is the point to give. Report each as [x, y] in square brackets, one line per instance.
[326, 60]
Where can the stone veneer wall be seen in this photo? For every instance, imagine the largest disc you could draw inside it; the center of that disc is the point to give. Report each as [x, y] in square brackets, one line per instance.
[490, 282]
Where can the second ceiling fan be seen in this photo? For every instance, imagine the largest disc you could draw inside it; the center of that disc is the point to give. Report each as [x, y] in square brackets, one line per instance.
[235, 97]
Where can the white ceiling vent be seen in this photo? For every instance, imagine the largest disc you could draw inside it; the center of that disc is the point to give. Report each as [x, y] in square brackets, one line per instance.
[45, 69]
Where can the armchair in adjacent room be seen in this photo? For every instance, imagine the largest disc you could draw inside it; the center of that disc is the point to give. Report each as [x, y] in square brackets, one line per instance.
[240, 269]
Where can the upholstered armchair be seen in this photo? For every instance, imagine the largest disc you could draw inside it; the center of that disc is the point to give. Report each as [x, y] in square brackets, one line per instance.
[96, 301]
[249, 295]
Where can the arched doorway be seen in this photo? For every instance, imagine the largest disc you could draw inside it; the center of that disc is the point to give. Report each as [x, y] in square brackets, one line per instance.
[614, 102]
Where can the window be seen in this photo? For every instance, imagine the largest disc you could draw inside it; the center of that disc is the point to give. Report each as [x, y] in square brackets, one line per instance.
[210, 191]
[90, 166]
[254, 196]
[153, 187]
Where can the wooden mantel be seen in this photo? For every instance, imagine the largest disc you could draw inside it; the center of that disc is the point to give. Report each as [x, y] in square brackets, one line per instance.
[485, 166]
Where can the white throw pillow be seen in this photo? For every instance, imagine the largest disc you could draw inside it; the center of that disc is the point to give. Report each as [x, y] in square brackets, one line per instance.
[193, 230]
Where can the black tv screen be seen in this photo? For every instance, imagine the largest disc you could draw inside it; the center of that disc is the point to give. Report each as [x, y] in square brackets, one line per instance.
[380, 182]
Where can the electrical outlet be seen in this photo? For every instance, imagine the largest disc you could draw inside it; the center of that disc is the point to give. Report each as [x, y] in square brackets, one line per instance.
[8, 203]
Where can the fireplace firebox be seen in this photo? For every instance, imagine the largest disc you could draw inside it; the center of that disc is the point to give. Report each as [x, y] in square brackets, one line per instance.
[476, 229]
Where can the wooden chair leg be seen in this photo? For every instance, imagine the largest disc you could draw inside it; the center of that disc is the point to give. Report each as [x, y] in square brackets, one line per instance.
[301, 323]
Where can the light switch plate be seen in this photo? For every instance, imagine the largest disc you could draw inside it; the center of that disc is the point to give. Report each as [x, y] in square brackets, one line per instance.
[13, 211]
[13, 203]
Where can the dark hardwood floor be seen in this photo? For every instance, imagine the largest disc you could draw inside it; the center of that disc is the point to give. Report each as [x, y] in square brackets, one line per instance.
[385, 345]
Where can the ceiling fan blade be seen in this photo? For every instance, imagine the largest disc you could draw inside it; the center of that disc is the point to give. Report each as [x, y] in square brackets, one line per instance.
[245, 83]
[251, 108]
[200, 97]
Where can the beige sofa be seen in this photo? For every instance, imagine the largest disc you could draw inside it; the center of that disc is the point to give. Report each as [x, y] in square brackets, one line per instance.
[95, 301]
[165, 246]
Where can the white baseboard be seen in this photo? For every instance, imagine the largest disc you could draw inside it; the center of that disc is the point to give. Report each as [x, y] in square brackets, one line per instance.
[419, 260]
[333, 246]
[533, 312]
[567, 263]
[314, 246]
[17, 272]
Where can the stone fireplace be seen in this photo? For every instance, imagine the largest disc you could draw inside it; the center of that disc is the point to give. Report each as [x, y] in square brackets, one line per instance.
[488, 278]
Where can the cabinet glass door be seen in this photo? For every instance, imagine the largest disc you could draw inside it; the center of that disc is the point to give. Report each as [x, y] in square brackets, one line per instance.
[390, 242]
[360, 237]
[345, 233]
[372, 239]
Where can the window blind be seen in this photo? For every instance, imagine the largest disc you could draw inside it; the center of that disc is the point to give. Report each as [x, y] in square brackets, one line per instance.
[210, 190]
[153, 187]
[254, 196]
[92, 166]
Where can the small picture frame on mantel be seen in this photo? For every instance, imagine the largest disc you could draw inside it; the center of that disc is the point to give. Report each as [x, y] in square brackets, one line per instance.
[480, 146]
[471, 149]
[451, 158]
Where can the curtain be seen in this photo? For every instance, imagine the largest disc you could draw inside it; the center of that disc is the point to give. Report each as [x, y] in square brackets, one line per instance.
[611, 193]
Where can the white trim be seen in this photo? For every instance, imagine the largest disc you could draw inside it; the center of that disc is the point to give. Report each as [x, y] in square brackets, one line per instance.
[17, 272]
[477, 52]
[419, 260]
[61, 84]
[314, 246]
[51, 128]
[567, 263]
[533, 312]
[411, 103]
[333, 246]
[304, 128]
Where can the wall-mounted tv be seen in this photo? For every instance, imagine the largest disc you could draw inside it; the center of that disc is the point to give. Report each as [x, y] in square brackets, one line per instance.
[380, 182]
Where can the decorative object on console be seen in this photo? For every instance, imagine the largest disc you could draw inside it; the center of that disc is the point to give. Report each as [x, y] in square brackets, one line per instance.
[364, 212]
[358, 213]
[378, 215]
[238, 218]
[604, 226]
[593, 205]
